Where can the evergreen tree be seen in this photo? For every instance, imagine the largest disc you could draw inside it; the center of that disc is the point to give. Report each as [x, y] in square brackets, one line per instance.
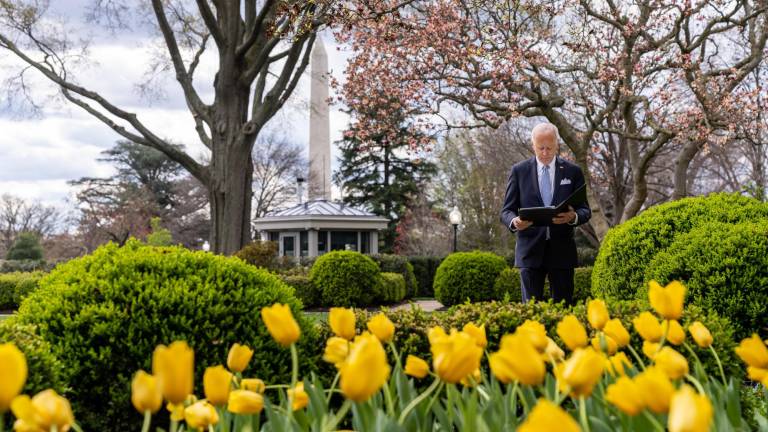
[26, 247]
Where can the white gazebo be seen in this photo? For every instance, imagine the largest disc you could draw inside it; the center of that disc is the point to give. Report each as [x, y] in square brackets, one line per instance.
[318, 226]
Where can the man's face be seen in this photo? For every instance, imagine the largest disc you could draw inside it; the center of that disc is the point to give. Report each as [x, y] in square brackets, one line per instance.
[545, 147]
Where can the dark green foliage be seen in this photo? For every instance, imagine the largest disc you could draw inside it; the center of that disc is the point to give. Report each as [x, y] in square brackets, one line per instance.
[345, 278]
[44, 369]
[582, 284]
[260, 254]
[725, 268]
[424, 269]
[304, 289]
[25, 266]
[392, 287]
[104, 314]
[629, 248]
[507, 285]
[466, 276]
[159, 236]
[14, 287]
[508, 282]
[26, 247]
[399, 264]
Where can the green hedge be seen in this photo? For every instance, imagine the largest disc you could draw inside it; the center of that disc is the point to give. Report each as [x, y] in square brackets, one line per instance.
[392, 288]
[399, 264]
[629, 248]
[466, 276]
[345, 278]
[424, 269]
[507, 285]
[304, 289]
[25, 266]
[725, 268]
[44, 369]
[104, 314]
[14, 287]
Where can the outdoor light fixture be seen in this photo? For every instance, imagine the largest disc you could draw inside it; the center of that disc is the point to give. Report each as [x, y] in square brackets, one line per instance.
[206, 246]
[455, 218]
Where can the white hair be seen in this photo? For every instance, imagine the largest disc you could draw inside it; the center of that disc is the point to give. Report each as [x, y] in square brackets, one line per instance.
[545, 128]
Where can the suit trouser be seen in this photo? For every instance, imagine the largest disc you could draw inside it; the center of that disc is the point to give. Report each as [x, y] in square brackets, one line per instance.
[560, 280]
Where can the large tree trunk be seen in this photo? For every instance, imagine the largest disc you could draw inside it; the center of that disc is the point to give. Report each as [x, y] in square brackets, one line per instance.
[231, 200]
[682, 162]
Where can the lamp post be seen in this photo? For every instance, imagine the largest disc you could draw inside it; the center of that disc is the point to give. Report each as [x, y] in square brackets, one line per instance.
[455, 218]
[206, 246]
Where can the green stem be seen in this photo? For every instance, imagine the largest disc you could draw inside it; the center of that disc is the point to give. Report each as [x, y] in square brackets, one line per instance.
[435, 397]
[396, 354]
[333, 386]
[693, 354]
[210, 428]
[174, 425]
[147, 421]
[696, 383]
[526, 408]
[583, 413]
[339, 415]
[295, 364]
[719, 364]
[636, 356]
[418, 400]
[277, 386]
[663, 338]
[76, 427]
[388, 400]
[656, 424]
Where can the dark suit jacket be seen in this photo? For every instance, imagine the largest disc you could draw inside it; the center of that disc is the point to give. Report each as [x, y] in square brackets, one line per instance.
[523, 191]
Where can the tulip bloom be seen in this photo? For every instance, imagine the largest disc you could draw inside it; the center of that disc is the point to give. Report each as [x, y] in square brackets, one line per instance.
[366, 370]
[671, 362]
[44, 411]
[667, 301]
[416, 367]
[145, 393]
[342, 322]
[253, 384]
[478, 333]
[280, 323]
[610, 344]
[552, 352]
[675, 334]
[455, 356]
[617, 365]
[517, 360]
[299, 397]
[547, 416]
[238, 358]
[336, 350]
[757, 374]
[650, 349]
[648, 327]
[435, 333]
[655, 383]
[615, 329]
[245, 402]
[381, 327]
[597, 314]
[13, 374]
[626, 395]
[217, 382]
[535, 332]
[582, 371]
[174, 366]
[689, 412]
[700, 333]
[572, 332]
[753, 352]
[200, 415]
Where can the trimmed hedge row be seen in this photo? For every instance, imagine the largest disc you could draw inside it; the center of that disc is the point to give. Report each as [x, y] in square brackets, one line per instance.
[14, 287]
[44, 369]
[507, 285]
[424, 269]
[392, 288]
[399, 264]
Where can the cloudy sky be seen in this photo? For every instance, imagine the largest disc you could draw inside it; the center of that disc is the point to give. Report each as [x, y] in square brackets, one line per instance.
[39, 154]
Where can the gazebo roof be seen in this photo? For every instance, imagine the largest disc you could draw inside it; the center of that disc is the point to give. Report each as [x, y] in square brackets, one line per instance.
[320, 208]
[321, 214]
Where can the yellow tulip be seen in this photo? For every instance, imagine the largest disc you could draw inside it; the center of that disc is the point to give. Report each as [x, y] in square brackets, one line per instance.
[299, 397]
[200, 415]
[689, 412]
[517, 360]
[281, 324]
[648, 327]
[626, 395]
[553, 352]
[176, 411]
[675, 334]
[667, 301]
[342, 322]
[253, 384]
[572, 332]
[617, 365]
[700, 333]
[435, 333]
[238, 357]
[455, 356]
[757, 374]
[597, 314]
[615, 329]
[535, 332]
[650, 349]
[51, 410]
[547, 416]
[336, 350]
[753, 352]
[472, 379]
[671, 362]
[610, 344]
[245, 402]
[366, 370]
[416, 367]
[655, 383]
[13, 374]
[145, 393]
[217, 382]
[582, 371]
[478, 333]
[381, 327]
[174, 366]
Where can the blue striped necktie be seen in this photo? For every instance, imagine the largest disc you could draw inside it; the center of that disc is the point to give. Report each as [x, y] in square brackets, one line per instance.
[545, 186]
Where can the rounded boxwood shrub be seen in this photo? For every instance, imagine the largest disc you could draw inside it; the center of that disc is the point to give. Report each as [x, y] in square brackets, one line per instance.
[507, 285]
[466, 276]
[392, 287]
[725, 268]
[44, 369]
[345, 278]
[628, 249]
[399, 264]
[104, 314]
[14, 287]
[304, 289]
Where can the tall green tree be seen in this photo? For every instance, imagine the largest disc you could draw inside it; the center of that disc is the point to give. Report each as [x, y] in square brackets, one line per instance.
[380, 169]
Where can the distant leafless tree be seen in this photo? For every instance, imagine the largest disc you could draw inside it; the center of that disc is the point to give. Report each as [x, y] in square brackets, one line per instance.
[18, 215]
[276, 164]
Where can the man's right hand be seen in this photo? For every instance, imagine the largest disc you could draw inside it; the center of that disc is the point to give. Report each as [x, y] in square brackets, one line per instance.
[521, 224]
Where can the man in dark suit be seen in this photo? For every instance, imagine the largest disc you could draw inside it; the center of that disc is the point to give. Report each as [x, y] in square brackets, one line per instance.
[544, 251]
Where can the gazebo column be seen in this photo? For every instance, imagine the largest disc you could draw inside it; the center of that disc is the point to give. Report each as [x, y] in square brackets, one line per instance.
[312, 239]
[264, 235]
[374, 242]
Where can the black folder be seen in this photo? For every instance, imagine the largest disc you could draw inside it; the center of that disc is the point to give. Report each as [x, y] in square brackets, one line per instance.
[542, 216]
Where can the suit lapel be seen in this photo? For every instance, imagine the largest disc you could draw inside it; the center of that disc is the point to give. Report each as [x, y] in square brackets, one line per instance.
[559, 171]
[535, 176]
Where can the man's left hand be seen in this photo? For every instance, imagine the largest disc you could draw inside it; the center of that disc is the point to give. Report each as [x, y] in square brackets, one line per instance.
[566, 217]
